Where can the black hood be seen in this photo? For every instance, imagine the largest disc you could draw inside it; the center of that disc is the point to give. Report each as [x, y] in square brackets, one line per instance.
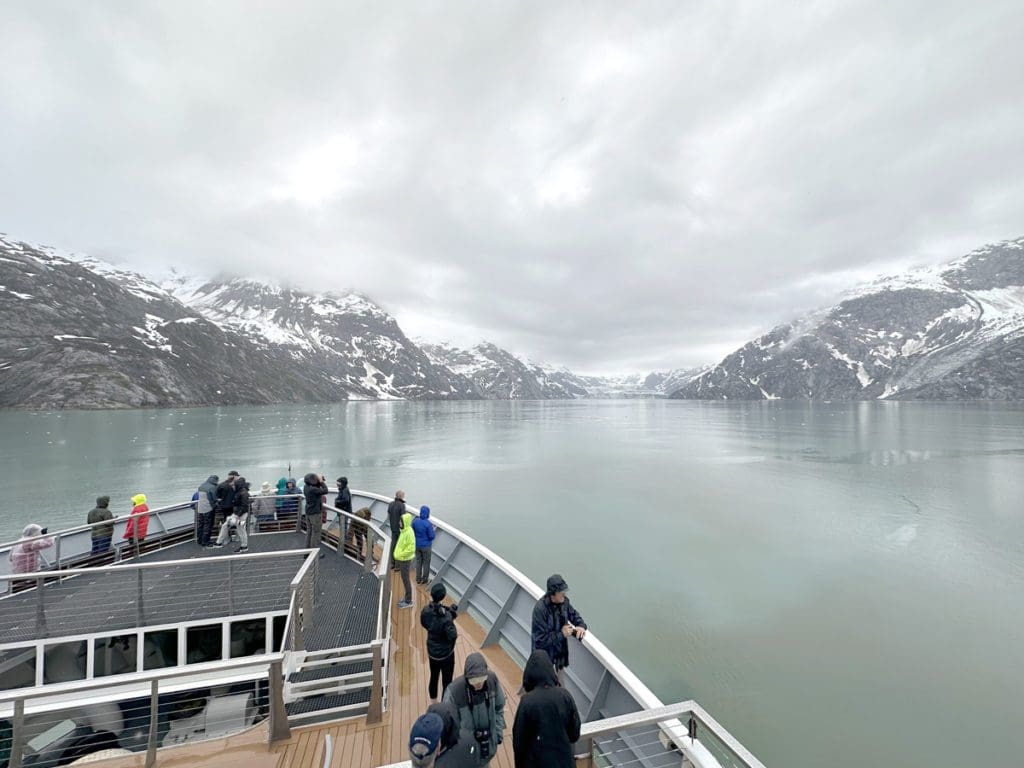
[476, 665]
[311, 479]
[450, 716]
[539, 672]
[103, 501]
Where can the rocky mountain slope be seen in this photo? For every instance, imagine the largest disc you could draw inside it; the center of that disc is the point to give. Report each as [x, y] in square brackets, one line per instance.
[80, 333]
[76, 338]
[949, 332]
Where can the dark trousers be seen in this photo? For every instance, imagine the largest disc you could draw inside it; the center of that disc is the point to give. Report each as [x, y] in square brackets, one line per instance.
[422, 565]
[204, 528]
[444, 669]
[314, 524]
[403, 568]
[100, 545]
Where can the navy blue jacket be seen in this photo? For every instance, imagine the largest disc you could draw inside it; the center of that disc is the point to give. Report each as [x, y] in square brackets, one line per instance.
[546, 634]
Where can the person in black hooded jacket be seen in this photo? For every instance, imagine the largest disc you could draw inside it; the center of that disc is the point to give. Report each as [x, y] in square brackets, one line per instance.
[439, 621]
[547, 721]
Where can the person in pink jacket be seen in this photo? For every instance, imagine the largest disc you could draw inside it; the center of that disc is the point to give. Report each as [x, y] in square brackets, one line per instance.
[25, 554]
[139, 517]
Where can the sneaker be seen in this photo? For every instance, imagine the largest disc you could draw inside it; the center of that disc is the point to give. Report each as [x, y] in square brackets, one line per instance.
[405, 603]
[214, 546]
[242, 549]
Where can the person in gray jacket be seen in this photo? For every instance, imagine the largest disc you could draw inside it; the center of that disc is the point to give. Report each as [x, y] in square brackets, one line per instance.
[480, 702]
[205, 505]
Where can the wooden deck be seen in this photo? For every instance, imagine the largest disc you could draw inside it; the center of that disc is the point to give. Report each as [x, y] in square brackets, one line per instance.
[359, 745]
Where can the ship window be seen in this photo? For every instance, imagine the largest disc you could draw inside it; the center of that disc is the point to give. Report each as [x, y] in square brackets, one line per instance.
[204, 643]
[248, 637]
[63, 662]
[279, 622]
[160, 649]
[17, 668]
[115, 655]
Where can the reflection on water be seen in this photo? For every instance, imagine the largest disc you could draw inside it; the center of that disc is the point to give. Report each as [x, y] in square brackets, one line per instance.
[826, 578]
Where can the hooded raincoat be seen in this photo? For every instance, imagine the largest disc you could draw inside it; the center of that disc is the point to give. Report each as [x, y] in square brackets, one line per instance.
[98, 514]
[405, 547]
[138, 522]
[424, 529]
[482, 710]
[208, 495]
[547, 721]
[25, 554]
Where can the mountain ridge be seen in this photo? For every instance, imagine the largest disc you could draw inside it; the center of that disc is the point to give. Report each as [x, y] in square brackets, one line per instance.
[949, 331]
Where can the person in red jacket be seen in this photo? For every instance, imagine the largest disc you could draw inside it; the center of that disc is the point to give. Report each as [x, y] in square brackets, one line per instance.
[138, 522]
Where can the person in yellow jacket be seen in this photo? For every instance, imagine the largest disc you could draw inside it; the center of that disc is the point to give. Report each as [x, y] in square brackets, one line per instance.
[405, 551]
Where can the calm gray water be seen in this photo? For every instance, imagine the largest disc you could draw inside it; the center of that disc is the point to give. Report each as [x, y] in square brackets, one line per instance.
[839, 584]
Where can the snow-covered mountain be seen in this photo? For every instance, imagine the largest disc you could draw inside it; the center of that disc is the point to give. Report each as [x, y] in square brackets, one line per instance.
[81, 333]
[76, 335]
[345, 336]
[499, 375]
[954, 331]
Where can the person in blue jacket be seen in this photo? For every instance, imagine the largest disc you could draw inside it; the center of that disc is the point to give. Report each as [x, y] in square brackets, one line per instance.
[424, 530]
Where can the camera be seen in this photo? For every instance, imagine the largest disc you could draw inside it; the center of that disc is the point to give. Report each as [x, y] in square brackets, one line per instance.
[483, 738]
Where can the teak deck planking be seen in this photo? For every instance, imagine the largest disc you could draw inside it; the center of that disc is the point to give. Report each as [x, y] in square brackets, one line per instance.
[357, 744]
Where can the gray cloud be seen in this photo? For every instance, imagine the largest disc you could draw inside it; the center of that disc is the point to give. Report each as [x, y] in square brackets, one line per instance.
[605, 186]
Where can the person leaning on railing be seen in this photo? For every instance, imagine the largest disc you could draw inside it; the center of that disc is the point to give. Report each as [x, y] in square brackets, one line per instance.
[205, 505]
[101, 534]
[25, 554]
[359, 530]
[554, 622]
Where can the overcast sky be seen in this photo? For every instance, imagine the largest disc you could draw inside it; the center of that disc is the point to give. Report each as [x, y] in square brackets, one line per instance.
[609, 186]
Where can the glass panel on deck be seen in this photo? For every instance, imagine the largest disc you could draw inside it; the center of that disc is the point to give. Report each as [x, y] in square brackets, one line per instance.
[64, 662]
[116, 655]
[17, 668]
[160, 649]
[204, 643]
[248, 637]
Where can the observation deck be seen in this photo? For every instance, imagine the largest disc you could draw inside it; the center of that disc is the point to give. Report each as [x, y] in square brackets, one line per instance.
[285, 657]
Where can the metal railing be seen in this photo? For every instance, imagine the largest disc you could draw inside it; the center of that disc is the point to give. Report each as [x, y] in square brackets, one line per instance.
[74, 546]
[347, 669]
[167, 525]
[500, 598]
[158, 709]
